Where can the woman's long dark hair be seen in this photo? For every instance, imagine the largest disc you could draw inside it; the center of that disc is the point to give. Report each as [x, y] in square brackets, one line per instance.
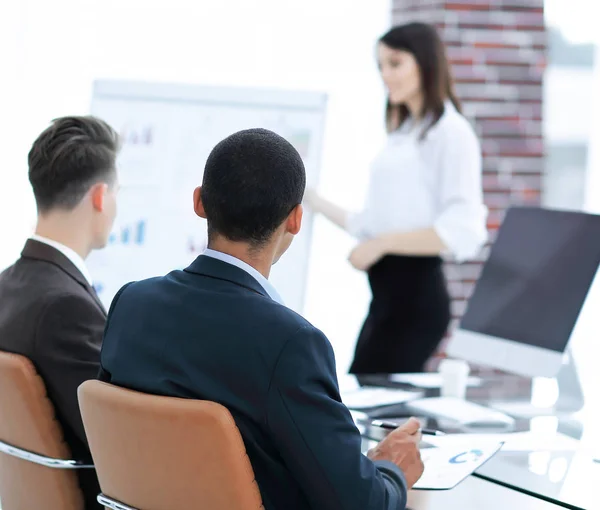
[424, 43]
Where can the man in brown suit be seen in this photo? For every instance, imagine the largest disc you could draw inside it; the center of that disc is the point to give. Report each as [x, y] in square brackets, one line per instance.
[49, 310]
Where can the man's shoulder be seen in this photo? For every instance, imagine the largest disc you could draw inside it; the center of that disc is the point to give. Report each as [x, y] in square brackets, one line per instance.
[15, 270]
[135, 289]
[39, 274]
[44, 312]
[35, 285]
[288, 318]
[244, 306]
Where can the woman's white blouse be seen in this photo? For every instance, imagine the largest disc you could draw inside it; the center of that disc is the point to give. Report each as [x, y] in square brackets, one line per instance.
[434, 182]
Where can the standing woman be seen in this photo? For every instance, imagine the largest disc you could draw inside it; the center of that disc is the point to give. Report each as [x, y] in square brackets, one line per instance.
[424, 201]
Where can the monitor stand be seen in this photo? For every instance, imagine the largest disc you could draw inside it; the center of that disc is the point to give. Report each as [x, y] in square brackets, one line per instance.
[570, 395]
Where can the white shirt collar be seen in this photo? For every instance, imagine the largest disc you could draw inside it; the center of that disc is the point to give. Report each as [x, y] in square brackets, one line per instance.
[264, 283]
[74, 257]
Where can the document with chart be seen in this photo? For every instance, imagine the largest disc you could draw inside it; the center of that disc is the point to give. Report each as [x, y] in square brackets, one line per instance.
[449, 462]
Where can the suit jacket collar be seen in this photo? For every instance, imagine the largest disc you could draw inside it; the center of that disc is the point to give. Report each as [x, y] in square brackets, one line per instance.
[41, 251]
[208, 266]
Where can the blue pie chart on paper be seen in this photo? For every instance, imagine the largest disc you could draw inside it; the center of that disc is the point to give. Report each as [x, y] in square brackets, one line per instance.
[470, 456]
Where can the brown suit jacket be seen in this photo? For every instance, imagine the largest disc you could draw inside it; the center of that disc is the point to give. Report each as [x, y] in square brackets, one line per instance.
[50, 314]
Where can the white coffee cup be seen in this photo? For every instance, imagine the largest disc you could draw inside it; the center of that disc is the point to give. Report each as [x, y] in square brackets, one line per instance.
[455, 376]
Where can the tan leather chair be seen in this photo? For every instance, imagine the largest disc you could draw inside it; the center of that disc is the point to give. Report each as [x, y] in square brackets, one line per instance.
[35, 470]
[164, 453]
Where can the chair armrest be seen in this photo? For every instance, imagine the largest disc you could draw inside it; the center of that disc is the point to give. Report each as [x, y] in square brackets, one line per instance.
[42, 460]
[113, 504]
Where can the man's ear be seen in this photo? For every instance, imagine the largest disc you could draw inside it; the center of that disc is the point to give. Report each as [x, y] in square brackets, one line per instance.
[198, 204]
[294, 220]
[98, 192]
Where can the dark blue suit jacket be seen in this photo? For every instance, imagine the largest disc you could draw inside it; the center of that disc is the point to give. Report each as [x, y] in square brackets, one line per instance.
[211, 332]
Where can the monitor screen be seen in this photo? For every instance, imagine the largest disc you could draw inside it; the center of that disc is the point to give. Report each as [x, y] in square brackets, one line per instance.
[536, 279]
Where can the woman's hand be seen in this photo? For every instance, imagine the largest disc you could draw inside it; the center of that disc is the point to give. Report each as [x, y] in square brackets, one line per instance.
[366, 254]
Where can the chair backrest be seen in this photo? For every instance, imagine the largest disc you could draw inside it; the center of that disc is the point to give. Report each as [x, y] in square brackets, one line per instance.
[159, 453]
[27, 421]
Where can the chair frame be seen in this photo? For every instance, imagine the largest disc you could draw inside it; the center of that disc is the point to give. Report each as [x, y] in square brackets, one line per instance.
[42, 460]
[113, 504]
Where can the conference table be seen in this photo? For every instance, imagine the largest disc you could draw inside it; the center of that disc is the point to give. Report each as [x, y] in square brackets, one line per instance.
[545, 463]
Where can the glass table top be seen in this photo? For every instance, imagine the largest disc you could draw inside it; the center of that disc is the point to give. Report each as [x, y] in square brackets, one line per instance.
[546, 456]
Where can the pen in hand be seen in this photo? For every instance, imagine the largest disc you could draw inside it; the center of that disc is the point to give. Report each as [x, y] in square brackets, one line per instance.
[393, 426]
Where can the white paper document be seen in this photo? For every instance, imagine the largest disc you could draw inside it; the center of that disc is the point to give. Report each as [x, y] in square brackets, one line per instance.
[517, 441]
[446, 465]
[367, 397]
[428, 380]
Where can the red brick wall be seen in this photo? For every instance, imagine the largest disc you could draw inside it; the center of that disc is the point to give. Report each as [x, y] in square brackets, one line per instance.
[497, 49]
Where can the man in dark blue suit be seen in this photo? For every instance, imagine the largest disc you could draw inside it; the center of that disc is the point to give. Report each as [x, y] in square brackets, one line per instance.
[218, 331]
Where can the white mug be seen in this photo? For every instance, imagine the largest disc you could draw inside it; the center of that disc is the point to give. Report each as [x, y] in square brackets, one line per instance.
[455, 376]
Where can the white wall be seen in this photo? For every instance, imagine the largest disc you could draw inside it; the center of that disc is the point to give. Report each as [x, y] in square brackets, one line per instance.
[568, 94]
[54, 50]
[592, 198]
[577, 19]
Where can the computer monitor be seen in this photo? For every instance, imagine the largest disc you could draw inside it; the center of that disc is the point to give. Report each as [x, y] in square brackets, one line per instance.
[531, 291]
